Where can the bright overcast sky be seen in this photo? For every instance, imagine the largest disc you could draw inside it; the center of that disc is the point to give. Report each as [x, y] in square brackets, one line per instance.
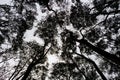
[9, 2]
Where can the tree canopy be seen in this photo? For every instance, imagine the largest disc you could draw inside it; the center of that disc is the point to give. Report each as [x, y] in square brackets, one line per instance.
[60, 40]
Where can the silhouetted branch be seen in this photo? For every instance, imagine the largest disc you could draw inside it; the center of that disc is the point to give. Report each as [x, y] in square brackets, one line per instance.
[109, 56]
[78, 67]
[95, 65]
[105, 13]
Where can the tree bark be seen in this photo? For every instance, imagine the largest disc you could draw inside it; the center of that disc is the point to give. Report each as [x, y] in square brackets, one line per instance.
[109, 56]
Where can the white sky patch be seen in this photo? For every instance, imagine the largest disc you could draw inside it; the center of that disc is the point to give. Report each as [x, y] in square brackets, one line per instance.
[100, 18]
[108, 49]
[29, 36]
[52, 58]
[59, 42]
[40, 15]
[86, 1]
[4, 18]
[13, 62]
[89, 2]
[83, 31]
[55, 6]
[68, 5]
[95, 59]
[78, 50]
[71, 28]
[62, 7]
[8, 2]
[5, 45]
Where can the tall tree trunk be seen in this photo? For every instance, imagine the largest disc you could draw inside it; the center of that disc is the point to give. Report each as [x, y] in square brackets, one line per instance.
[35, 62]
[109, 56]
[95, 65]
[29, 69]
[78, 67]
